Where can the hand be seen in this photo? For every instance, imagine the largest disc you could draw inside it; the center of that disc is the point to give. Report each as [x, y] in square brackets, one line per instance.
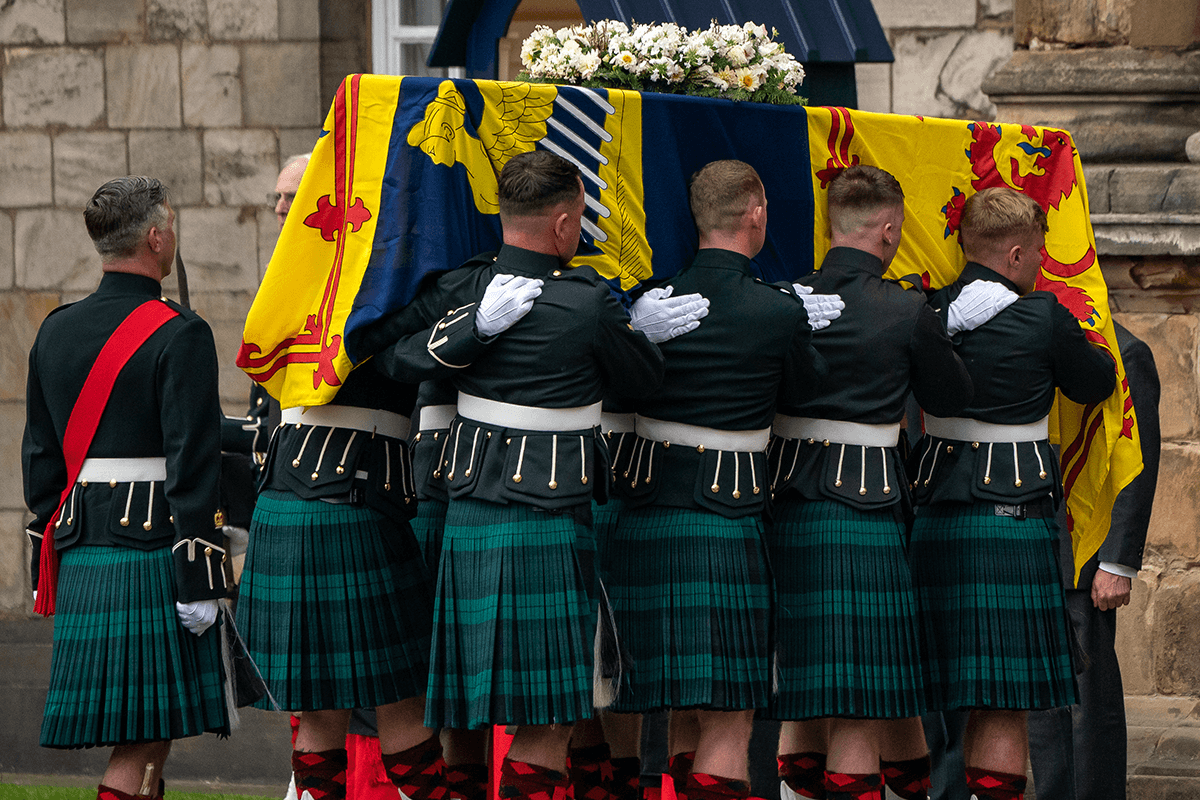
[1110, 591]
[239, 540]
[506, 300]
[978, 302]
[662, 317]
[199, 616]
[822, 308]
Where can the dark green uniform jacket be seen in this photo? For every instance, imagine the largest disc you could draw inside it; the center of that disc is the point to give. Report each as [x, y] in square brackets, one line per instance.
[752, 349]
[164, 404]
[887, 342]
[574, 344]
[1016, 361]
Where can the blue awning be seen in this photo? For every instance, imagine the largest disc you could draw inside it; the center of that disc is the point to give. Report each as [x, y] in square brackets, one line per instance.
[814, 31]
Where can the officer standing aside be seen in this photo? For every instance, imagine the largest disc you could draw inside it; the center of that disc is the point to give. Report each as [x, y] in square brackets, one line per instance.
[121, 462]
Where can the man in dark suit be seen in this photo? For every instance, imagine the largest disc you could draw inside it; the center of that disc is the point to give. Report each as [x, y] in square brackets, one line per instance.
[1079, 752]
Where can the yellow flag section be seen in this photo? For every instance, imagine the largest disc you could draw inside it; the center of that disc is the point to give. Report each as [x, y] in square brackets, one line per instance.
[292, 342]
[940, 163]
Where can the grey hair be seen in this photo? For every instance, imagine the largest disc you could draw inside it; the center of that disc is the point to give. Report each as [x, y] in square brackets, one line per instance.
[295, 159]
[122, 211]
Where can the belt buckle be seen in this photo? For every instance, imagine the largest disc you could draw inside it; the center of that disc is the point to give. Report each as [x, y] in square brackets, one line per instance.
[1014, 511]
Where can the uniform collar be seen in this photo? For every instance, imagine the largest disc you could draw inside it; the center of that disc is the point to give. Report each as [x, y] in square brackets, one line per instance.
[520, 261]
[974, 271]
[128, 283]
[716, 258]
[851, 259]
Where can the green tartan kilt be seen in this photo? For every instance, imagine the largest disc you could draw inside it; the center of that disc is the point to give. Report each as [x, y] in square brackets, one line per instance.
[994, 625]
[691, 594]
[845, 614]
[513, 625]
[336, 605]
[123, 669]
[427, 528]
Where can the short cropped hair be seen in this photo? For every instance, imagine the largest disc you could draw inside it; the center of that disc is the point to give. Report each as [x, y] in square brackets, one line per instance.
[535, 182]
[719, 193]
[858, 192]
[995, 214]
[122, 211]
[295, 159]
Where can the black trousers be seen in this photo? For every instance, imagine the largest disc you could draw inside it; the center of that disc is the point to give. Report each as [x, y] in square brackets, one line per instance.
[1080, 752]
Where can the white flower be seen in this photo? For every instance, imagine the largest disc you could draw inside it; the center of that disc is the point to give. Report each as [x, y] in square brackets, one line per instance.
[748, 79]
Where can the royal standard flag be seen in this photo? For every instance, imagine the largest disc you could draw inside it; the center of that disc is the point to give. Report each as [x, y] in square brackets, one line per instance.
[402, 183]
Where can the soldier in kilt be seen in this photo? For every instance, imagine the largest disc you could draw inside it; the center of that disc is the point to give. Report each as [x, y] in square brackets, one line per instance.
[136, 663]
[846, 622]
[993, 623]
[513, 621]
[687, 566]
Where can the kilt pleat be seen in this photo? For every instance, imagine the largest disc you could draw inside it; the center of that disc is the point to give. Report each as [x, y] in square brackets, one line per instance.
[513, 624]
[427, 528]
[336, 605]
[847, 642]
[691, 594]
[123, 669]
[993, 620]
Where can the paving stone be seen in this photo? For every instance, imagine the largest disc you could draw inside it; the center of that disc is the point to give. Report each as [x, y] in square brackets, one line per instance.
[7, 276]
[53, 252]
[173, 20]
[874, 85]
[925, 13]
[84, 161]
[25, 169]
[243, 19]
[53, 86]
[1174, 339]
[281, 84]
[21, 314]
[239, 167]
[1133, 645]
[143, 86]
[103, 20]
[32, 22]
[299, 19]
[212, 90]
[174, 157]
[222, 248]
[1177, 637]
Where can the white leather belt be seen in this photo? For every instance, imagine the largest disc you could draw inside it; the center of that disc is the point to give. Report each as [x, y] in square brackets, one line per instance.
[972, 430]
[370, 420]
[123, 470]
[833, 430]
[436, 418]
[527, 418]
[617, 423]
[699, 436]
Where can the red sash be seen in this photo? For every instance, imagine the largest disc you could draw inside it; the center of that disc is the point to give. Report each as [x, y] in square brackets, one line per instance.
[85, 419]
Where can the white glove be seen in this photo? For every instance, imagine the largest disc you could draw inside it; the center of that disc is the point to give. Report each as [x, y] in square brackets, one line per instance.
[662, 317]
[822, 308]
[239, 540]
[978, 302]
[506, 300]
[199, 616]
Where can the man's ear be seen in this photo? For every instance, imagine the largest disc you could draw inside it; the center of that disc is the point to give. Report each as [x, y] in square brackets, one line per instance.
[154, 239]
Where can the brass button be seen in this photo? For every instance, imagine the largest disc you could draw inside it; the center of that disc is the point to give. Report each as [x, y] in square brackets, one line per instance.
[583, 480]
[208, 551]
[1042, 475]
[556, 273]
[811, 440]
[314, 476]
[516, 478]
[146, 525]
[83, 484]
[949, 448]
[986, 481]
[887, 490]
[124, 522]
[715, 488]
[837, 483]
[1017, 483]
[974, 445]
[553, 484]
[340, 470]
[700, 448]
[736, 494]
[113, 483]
[224, 557]
[757, 490]
[862, 491]
[417, 438]
[467, 472]
[387, 487]
[666, 444]
[825, 443]
[172, 519]
[296, 463]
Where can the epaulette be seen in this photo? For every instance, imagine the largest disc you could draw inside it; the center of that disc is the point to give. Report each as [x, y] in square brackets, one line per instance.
[582, 273]
[913, 280]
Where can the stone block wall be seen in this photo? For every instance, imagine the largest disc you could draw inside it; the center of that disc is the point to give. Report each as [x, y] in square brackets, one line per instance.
[210, 96]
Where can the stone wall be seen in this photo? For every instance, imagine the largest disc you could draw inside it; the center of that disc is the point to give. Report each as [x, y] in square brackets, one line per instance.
[207, 95]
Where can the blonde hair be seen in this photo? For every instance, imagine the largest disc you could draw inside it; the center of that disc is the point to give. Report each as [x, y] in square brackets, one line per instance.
[858, 193]
[720, 192]
[999, 213]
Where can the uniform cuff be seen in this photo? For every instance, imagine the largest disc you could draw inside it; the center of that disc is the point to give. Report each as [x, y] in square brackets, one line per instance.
[1119, 569]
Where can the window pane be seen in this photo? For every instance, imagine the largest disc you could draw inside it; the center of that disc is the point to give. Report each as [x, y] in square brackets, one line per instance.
[412, 60]
[421, 12]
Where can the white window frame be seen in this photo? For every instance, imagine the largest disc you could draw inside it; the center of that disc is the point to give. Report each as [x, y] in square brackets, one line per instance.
[388, 36]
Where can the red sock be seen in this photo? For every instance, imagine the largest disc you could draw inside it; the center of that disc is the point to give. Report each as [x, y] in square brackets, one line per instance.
[627, 778]
[804, 773]
[992, 785]
[701, 786]
[843, 786]
[653, 788]
[679, 766]
[418, 772]
[108, 793]
[909, 779]
[322, 775]
[591, 772]
[467, 781]
[531, 782]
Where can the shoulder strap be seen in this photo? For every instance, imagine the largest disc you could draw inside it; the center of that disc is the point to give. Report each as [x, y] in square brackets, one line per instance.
[129, 336]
